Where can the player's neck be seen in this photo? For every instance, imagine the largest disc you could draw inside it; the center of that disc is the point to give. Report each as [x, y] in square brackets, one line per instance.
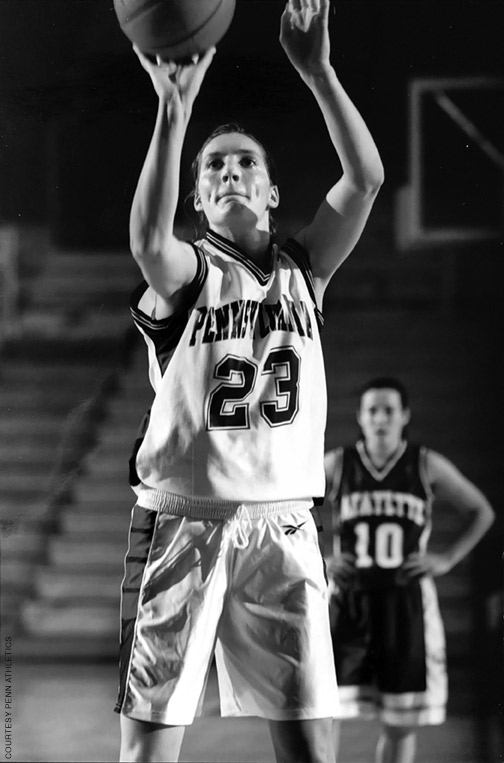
[380, 451]
[253, 242]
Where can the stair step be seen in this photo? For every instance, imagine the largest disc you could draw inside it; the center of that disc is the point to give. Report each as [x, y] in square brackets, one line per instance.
[18, 468]
[105, 525]
[21, 461]
[105, 482]
[25, 482]
[18, 574]
[95, 505]
[73, 587]
[15, 516]
[28, 397]
[29, 544]
[50, 373]
[76, 261]
[120, 438]
[68, 647]
[102, 460]
[74, 554]
[45, 619]
[89, 490]
[130, 408]
[46, 321]
[16, 421]
[87, 283]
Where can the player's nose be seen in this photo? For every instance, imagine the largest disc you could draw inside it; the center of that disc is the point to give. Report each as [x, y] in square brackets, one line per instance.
[231, 170]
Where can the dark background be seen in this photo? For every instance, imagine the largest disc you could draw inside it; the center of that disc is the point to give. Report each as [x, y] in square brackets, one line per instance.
[77, 110]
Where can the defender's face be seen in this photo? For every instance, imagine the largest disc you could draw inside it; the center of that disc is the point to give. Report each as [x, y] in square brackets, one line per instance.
[234, 183]
[382, 417]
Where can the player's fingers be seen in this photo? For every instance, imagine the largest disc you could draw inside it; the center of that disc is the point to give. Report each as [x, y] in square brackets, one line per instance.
[412, 559]
[199, 68]
[142, 58]
[324, 8]
[295, 5]
[206, 59]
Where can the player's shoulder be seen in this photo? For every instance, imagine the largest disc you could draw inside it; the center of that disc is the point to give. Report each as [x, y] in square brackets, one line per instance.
[437, 462]
[293, 247]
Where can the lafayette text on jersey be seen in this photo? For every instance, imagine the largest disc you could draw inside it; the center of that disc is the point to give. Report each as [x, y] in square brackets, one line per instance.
[383, 514]
[240, 406]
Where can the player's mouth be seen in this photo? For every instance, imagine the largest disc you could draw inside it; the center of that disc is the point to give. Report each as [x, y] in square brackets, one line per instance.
[231, 195]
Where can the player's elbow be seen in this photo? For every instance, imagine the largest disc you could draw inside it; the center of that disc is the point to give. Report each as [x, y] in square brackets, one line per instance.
[145, 246]
[368, 178]
[370, 182]
[142, 253]
[488, 514]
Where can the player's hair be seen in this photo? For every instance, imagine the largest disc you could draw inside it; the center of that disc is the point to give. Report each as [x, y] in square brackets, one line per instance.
[386, 382]
[224, 129]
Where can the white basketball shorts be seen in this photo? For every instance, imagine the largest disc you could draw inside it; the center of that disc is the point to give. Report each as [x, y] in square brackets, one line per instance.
[251, 591]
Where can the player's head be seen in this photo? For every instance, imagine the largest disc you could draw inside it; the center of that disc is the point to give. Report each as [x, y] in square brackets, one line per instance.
[234, 180]
[383, 411]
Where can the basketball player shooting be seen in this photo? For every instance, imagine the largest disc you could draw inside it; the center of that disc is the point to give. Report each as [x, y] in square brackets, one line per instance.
[223, 554]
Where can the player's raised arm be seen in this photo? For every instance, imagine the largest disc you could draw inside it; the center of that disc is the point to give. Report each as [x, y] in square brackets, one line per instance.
[340, 219]
[167, 263]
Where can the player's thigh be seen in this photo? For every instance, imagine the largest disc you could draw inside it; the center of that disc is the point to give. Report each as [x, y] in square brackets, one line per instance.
[274, 654]
[149, 742]
[303, 741]
[398, 733]
[351, 632]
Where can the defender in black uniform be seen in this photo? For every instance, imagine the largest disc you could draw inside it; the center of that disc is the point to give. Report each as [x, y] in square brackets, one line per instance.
[388, 638]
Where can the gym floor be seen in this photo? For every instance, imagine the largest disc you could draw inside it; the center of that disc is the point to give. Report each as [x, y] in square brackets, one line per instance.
[65, 713]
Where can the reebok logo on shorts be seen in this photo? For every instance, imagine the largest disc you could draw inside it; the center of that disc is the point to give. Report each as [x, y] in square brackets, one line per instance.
[291, 529]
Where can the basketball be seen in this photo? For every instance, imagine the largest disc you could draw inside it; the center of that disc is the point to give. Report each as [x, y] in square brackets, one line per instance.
[174, 29]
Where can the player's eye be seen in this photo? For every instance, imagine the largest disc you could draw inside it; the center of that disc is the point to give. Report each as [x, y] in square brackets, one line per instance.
[247, 161]
[214, 164]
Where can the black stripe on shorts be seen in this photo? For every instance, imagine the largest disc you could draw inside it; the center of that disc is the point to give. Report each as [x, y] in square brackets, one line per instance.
[140, 539]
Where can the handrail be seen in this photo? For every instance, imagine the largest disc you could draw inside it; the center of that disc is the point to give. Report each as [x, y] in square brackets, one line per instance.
[9, 282]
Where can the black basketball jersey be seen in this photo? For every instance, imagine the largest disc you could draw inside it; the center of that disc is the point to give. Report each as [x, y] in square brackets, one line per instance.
[383, 515]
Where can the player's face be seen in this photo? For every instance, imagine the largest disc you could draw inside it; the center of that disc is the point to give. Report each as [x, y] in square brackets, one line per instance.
[234, 186]
[382, 418]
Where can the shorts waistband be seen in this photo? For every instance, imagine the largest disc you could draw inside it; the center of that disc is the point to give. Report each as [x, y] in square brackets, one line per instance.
[210, 508]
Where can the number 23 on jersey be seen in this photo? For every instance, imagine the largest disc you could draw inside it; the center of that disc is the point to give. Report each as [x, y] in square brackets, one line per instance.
[228, 405]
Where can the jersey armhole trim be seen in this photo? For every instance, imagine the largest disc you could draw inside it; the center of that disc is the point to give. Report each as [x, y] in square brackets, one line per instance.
[423, 471]
[146, 322]
[299, 255]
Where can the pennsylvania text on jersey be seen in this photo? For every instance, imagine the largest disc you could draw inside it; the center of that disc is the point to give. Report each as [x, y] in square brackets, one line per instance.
[245, 317]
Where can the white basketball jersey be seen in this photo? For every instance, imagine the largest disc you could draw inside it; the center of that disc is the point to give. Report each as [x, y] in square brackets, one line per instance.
[240, 407]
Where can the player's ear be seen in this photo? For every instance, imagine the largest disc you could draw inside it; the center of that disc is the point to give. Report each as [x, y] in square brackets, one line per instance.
[274, 197]
[198, 206]
[406, 416]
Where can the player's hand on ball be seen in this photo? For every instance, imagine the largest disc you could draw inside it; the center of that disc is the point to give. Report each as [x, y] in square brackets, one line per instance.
[304, 35]
[432, 564]
[177, 83]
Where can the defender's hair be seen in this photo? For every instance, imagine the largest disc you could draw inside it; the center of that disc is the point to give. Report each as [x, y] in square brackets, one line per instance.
[386, 382]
